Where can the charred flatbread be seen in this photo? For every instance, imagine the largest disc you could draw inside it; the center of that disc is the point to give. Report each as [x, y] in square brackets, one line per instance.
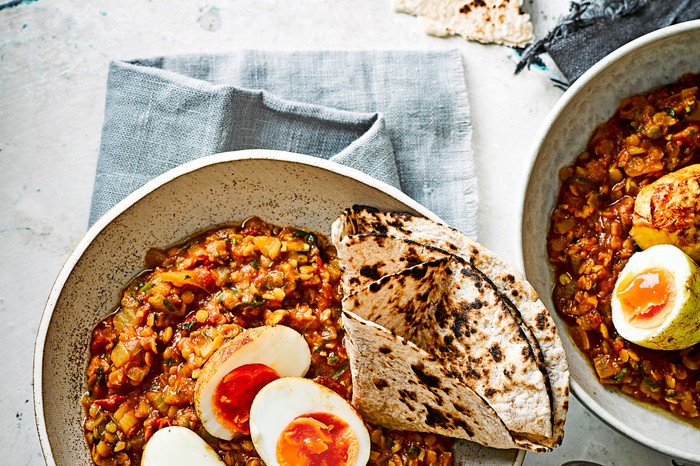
[400, 386]
[487, 21]
[509, 282]
[448, 310]
[368, 257]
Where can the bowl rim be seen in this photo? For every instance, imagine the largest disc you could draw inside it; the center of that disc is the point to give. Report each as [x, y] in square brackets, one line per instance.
[152, 185]
[631, 47]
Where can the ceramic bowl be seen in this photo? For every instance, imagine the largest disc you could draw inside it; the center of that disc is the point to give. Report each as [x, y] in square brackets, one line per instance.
[281, 188]
[648, 62]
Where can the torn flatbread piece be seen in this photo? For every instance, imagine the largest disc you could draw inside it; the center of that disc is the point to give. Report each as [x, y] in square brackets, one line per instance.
[400, 386]
[486, 21]
[362, 220]
[448, 310]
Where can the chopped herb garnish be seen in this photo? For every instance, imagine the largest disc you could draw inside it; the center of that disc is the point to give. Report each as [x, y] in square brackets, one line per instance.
[583, 180]
[189, 325]
[250, 303]
[146, 287]
[307, 236]
[413, 451]
[255, 265]
[621, 374]
[339, 372]
[168, 305]
[100, 376]
[333, 358]
[169, 362]
[187, 277]
[651, 383]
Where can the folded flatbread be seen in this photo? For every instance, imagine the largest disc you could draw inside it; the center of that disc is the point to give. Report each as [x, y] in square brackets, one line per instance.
[487, 21]
[413, 240]
[398, 385]
[448, 310]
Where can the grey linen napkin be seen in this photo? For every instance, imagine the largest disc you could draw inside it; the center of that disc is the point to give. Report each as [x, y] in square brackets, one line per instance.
[594, 28]
[400, 116]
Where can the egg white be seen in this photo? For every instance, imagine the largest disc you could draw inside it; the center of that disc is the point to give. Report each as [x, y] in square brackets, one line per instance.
[279, 347]
[178, 446]
[282, 401]
[681, 327]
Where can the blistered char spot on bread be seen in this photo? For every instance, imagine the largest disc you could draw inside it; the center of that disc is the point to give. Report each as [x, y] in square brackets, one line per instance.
[434, 417]
[541, 320]
[381, 384]
[370, 272]
[496, 353]
[427, 380]
[379, 228]
[406, 394]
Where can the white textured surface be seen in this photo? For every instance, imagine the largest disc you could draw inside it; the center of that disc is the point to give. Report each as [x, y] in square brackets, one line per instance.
[53, 64]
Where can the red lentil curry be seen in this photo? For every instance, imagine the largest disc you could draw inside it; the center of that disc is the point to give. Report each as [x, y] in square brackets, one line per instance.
[145, 358]
[589, 242]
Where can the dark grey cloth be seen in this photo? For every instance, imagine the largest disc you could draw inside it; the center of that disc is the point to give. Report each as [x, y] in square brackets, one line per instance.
[400, 116]
[594, 28]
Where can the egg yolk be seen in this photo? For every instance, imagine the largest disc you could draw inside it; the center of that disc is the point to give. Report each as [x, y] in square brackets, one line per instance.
[234, 395]
[317, 439]
[647, 298]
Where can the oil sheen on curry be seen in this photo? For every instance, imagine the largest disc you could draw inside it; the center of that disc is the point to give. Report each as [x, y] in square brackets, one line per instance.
[625, 240]
[228, 350]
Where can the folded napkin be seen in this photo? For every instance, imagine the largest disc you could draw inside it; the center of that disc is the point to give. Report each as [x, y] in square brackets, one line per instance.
[594, 28]
[400, 116]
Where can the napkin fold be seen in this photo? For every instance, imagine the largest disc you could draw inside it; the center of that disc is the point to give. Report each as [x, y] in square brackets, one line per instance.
[399, 116]
[594, 28]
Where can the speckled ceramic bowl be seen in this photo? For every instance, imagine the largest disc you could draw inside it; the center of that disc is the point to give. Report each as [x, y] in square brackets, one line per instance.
[651, 61]
[282, 188]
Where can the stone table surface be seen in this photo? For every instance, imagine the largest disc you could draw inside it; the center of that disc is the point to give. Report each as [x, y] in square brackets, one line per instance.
[53, 65]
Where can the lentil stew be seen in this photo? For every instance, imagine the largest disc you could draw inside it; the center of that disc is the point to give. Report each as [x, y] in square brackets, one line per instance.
[588, 243]
[146, 356]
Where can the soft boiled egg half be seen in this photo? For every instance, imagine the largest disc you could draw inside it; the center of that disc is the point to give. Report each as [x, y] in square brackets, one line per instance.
[236, 372]
[296, 421]
[656, 299]
[178, 446]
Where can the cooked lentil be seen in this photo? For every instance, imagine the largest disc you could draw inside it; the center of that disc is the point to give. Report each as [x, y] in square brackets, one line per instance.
[145, 357]
[588, 242]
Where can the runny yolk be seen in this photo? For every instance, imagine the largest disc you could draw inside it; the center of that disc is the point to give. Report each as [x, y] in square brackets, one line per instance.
[647, 298]
[317, 439]
[234, 395]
